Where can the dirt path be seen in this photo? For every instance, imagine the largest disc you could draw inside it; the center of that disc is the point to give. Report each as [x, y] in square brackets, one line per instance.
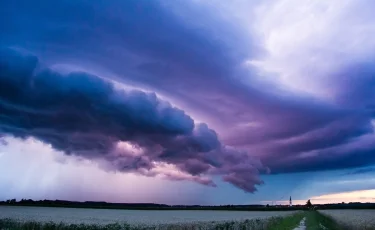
[302, 225]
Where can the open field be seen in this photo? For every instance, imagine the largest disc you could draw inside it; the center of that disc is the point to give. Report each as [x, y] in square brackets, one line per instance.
[38, 218]
[273, 223]
[105, 216]
[35, 218]
[353, 219]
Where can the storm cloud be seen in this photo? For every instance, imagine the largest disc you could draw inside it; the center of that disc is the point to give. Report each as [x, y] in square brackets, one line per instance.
[132, 131]
[296, 93]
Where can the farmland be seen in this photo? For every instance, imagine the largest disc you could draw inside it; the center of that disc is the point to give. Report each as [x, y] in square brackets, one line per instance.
[70, 218]
[105, 216]
[352, 219]
[52, 218]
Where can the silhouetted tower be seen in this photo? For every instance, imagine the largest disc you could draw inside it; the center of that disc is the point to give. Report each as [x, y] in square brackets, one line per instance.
[290, 201]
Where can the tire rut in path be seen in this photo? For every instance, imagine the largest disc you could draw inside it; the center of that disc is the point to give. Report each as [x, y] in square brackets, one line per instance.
[302, 225]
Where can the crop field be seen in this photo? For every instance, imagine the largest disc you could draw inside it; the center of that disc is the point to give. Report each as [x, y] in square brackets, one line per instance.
[92, 219]
[353, 219]
[35, 218]
[106, 216]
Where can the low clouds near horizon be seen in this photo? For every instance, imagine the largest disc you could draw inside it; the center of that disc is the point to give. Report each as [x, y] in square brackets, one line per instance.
[230, 89]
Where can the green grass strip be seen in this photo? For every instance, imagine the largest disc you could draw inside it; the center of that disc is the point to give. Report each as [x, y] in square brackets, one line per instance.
[317, 221]
[286, 223]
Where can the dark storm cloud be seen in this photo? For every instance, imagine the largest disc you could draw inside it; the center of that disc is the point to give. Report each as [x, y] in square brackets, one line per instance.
[197, 60]
[84, 115]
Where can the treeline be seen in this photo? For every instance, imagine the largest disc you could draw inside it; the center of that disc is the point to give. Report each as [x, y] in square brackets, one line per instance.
[142, 206]
[152, 206]
[351, 205]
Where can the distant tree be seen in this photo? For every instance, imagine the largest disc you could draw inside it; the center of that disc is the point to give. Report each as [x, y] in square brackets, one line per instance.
[12, 201]
[308, 204]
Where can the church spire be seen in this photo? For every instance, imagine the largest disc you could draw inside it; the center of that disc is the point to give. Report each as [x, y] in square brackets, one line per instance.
[290, 201]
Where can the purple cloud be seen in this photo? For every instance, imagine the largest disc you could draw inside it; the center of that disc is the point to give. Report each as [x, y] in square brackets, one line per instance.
[132, 131]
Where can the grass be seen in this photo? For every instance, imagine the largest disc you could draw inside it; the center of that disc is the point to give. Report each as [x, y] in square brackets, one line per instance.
[316, 221]
[286, 223]
[273, 223]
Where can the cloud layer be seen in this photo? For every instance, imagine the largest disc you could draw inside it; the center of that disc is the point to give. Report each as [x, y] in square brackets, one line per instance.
[290, 82]
[132, 131]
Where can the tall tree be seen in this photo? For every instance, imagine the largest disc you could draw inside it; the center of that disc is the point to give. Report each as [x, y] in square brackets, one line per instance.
[308, 204]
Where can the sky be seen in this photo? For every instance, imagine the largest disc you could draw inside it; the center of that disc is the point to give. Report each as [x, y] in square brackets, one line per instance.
[188, 102]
